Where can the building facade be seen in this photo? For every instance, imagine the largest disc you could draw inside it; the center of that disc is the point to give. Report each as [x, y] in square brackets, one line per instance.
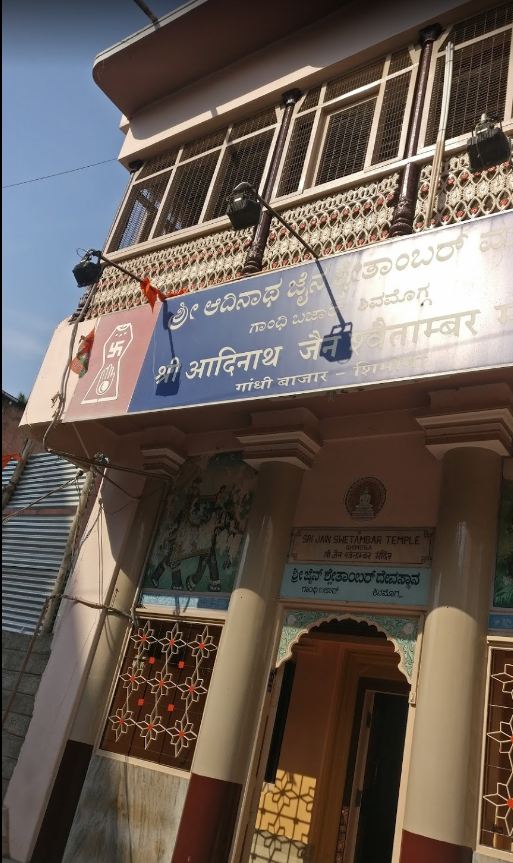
[291, 635]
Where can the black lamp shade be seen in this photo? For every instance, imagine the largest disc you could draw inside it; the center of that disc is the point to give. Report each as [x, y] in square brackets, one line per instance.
[87, 272]
[243, 209]
[488, 147]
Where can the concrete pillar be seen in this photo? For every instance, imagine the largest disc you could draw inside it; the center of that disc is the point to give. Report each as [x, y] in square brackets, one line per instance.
[74, 643]
[443, 783]
[229, 725]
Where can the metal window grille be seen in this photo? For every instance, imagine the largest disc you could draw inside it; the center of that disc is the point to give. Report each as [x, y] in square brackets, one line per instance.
[346, 141]
[140, 212]
[358, 78]
[483, 23]
[189, 189]
[244, 160]
[479, 85]
[160, 691]
[399, 61]
[253, 124]
[158, 163]
[311, 100]
[201, 145]
[391, 118]
[296, 152]
[199, 191]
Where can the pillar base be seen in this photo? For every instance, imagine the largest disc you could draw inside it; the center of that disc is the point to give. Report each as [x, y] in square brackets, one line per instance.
[422, 849]
[208, 821]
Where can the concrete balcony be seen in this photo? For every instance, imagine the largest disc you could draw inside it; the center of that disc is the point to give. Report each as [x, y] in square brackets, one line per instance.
[352, 217]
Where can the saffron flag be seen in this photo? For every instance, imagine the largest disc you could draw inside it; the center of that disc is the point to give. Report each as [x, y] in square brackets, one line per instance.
[151, 293]
[80, 363]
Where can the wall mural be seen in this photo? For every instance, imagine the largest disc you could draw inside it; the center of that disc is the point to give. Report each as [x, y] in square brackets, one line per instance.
[503, 586]
[198, 544]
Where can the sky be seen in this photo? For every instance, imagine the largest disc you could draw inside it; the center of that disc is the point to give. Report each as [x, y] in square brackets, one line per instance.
[55, 118]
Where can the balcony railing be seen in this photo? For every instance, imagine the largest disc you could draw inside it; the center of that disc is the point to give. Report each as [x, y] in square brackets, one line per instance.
[349, 219]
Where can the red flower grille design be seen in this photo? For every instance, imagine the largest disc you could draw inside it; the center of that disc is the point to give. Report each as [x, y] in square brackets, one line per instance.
[497, 812]
[160, 691]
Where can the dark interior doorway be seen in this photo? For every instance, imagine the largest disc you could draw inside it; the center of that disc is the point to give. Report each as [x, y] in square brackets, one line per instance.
[376, 788]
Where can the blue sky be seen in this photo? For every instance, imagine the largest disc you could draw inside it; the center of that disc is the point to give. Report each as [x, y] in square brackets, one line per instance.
[55, 118]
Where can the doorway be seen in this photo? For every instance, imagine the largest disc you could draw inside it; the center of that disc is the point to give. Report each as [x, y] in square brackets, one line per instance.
[332, 755]
[374, 778]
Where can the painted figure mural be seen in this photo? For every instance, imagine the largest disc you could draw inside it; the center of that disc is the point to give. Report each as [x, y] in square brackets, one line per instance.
[503, 589]
[198, 543]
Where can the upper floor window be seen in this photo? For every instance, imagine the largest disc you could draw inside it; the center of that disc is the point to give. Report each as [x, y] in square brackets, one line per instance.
[339, 129]
[191, 184]
[482, 48]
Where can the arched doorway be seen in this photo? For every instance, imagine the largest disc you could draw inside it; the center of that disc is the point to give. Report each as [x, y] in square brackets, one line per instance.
[332, 756]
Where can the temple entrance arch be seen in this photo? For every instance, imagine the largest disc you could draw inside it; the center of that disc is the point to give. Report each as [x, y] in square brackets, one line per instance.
[331, 764]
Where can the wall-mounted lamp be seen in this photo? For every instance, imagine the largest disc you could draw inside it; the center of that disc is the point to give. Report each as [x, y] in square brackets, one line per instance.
[87, 271]
[489, 145]
[244, 205]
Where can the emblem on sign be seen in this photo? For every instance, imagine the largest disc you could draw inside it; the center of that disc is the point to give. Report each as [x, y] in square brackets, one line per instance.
[365, 498]
[105, 386]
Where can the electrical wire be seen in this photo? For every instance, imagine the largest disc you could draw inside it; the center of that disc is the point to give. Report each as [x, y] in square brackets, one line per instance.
[97, 462]
[43, 497]
[58, 174]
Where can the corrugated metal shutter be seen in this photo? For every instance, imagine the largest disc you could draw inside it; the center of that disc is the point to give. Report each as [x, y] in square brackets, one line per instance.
[33, 543]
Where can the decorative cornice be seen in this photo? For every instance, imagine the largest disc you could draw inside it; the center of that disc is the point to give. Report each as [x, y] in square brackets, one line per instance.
[162, 460]
[490, 428]
[289, 436]
[295, 447]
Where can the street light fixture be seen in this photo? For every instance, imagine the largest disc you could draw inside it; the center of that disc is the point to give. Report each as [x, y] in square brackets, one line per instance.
[87, 272]
[244, 207]
[489, 145]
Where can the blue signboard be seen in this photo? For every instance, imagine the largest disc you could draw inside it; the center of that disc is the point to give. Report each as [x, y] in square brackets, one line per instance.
[363, 585]
[405, 309]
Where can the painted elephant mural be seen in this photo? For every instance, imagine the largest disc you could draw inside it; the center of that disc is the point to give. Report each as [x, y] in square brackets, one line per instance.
[198, 542]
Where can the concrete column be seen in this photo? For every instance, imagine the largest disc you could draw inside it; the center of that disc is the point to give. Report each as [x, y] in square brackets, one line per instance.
[74, 642]
[443, 783]
[229, 724]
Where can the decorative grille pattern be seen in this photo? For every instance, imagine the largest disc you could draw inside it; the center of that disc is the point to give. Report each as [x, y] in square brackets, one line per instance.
[161, 689]
[343, 220]
[497, 797]
[479, 83]
[334, 223]
[346, 141]
[463, 195]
